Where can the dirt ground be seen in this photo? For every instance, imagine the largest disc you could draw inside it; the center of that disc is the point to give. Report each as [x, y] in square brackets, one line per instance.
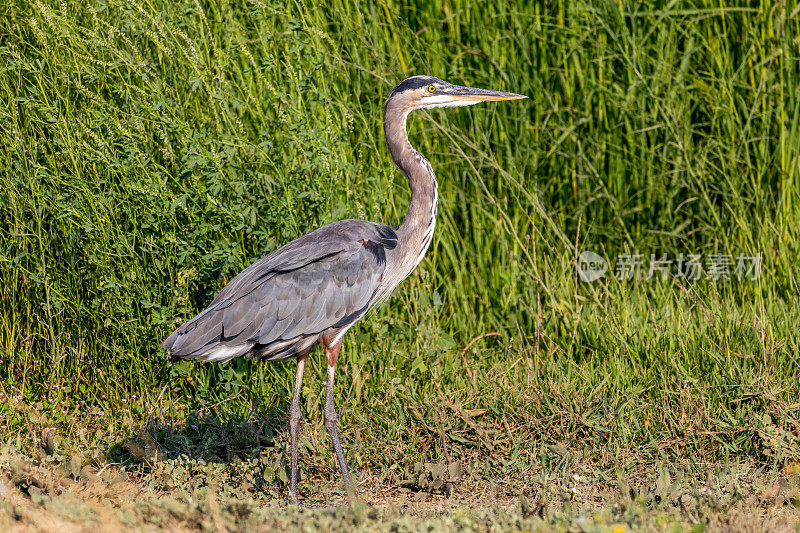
[53, 495]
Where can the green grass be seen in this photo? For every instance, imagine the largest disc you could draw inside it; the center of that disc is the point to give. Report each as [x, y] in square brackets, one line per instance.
[152, 150]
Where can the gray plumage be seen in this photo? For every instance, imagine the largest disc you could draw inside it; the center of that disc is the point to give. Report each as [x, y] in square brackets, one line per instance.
[313, 289]
[280, 305]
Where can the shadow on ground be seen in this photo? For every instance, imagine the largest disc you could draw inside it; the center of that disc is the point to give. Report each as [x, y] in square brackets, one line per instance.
[240, 456]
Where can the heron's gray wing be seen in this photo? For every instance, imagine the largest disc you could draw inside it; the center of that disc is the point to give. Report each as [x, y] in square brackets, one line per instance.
[323, 242]
[325, 279]
[329, 293]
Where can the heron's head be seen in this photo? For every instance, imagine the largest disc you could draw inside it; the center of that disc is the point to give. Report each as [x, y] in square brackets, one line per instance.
[426, 92]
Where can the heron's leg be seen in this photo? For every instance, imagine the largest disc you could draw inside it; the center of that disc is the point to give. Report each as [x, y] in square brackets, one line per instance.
[294, 424]
[332, 354]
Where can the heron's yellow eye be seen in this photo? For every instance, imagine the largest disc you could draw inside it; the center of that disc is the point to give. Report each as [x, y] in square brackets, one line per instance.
[431, 88]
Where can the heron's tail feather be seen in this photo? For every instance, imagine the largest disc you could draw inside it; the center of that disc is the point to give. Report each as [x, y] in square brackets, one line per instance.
[189, 340]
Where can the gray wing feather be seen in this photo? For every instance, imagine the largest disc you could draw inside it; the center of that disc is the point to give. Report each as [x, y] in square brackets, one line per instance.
[236, 319]
[197, 338]
[325, 279]
[335, 292]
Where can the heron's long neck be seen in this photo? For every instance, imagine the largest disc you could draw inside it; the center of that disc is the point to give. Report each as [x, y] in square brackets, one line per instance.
[416, 231]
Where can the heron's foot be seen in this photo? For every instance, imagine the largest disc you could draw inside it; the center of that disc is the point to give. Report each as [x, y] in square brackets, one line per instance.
[348, 484]
[353, 497]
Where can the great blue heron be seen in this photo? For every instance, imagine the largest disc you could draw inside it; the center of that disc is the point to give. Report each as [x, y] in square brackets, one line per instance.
[312, 290]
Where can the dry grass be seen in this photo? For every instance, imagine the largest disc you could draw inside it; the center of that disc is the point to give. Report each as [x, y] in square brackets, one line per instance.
[51, 494]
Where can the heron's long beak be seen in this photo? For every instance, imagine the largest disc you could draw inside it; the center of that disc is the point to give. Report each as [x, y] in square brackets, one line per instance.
[471, 94]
